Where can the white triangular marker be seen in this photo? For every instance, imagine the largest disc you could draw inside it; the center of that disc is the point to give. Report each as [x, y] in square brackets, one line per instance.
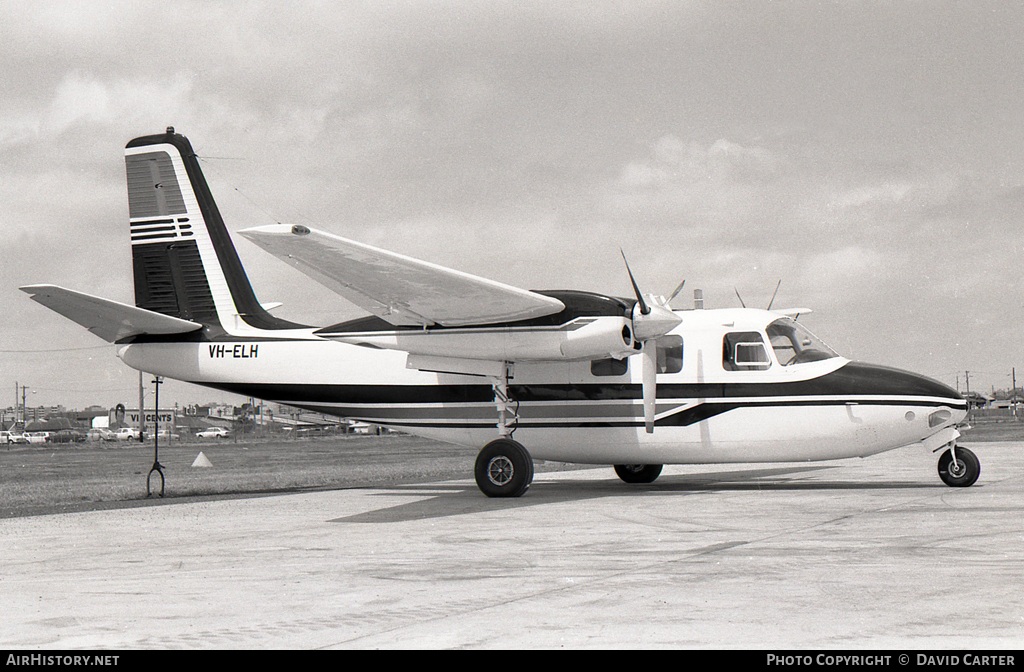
[202, 461]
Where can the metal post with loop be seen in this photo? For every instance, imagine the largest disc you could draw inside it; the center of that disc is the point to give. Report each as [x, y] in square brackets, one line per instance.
[157, 467]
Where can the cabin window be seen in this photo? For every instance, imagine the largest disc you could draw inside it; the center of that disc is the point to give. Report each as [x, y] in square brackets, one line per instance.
[744, 351]
[609, 367]
[793, 344]
[670, 354]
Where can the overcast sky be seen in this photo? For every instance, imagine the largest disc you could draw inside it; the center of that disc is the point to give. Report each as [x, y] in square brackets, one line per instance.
[869, 155]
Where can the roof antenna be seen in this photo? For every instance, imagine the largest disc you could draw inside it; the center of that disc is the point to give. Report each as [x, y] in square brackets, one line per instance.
[773, 295]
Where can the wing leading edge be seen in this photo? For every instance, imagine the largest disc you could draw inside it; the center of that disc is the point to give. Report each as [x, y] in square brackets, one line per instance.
[110, 320]
[399, 289]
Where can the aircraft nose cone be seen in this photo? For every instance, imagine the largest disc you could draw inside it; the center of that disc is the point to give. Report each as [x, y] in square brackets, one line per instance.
[888, 380]
[931, 387]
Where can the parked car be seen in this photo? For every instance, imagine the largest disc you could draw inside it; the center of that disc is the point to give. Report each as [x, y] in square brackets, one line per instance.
[67, 436]
[127, 434]
[11, 437]
[167, 435]
[213, 433]
[36, 438]
[100, 434]
[60, 436]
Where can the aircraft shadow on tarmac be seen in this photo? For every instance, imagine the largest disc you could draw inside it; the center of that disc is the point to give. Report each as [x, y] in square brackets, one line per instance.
[449, 499]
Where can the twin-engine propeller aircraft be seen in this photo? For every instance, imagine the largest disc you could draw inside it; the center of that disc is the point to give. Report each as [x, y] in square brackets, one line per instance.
[563, 375]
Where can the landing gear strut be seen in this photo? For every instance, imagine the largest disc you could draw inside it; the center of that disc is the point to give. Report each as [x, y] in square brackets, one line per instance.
[959, 467]
[504, 467]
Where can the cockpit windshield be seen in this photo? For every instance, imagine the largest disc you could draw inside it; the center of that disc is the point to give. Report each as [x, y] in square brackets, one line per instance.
[793, 344]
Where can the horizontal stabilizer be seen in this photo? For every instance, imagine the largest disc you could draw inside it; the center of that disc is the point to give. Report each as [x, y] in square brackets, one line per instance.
[397, 288]
[110, 320]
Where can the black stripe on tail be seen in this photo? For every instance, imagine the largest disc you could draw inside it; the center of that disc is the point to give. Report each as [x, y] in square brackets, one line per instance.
[169, 273]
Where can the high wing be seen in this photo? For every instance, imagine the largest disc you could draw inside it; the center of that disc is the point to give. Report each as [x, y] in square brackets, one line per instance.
[110, 320]
[793, 312]
[397, 288]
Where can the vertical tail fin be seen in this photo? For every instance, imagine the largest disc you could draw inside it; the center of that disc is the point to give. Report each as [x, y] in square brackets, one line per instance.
[184, 262]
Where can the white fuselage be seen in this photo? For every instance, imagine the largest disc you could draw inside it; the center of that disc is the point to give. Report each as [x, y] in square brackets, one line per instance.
[818, 410]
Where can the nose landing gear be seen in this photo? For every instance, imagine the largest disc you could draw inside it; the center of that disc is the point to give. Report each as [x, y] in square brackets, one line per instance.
[959, 467]
[638, 473]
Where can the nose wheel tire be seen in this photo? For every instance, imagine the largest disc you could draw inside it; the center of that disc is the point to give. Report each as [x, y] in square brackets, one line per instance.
[961, 472]
[638, 473]
[504, 468]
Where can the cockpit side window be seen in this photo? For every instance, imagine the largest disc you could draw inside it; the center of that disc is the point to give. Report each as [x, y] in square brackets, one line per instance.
[744, 351]
[793, 344]
[670, 354]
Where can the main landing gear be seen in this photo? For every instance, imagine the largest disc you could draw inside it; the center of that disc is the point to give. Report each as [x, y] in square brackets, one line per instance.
[504, 468]
[959, 467]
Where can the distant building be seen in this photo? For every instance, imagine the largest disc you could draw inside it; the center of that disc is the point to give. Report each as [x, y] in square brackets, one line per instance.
[975, 400]
[54, 424]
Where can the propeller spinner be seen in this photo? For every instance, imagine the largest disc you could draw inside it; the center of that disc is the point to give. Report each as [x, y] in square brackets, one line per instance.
[649, 322]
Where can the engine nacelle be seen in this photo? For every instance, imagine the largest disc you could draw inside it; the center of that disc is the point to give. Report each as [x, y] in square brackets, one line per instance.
[584, 338]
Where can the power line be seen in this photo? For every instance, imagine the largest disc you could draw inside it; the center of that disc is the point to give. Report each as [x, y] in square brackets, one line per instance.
[91, 347]
[79, 390]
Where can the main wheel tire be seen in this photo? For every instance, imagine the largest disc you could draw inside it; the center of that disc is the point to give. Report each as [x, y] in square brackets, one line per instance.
[962, 472]
[504, 468]
[638, 473]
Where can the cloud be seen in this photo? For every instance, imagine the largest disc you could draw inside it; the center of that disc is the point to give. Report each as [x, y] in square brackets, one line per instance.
[84, 102]
[860, 197]
[530, 141]
[849, 266]
[692, 184]
[678, 165]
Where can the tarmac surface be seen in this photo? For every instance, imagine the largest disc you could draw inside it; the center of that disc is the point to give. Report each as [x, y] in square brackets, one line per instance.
[873, 553]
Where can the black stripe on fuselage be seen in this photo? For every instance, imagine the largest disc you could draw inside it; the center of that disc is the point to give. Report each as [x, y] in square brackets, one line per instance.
[851, 380]
[683, 418]
[852, 384]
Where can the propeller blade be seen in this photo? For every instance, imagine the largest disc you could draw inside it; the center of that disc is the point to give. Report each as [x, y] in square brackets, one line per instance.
[739, 297]
[650, 322]
[675, 292]
[649, 358]
[644, 308]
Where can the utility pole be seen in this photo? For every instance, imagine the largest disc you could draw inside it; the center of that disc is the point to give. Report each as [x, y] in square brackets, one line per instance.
[967, 394]
[1013, 394]
[142, 412]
